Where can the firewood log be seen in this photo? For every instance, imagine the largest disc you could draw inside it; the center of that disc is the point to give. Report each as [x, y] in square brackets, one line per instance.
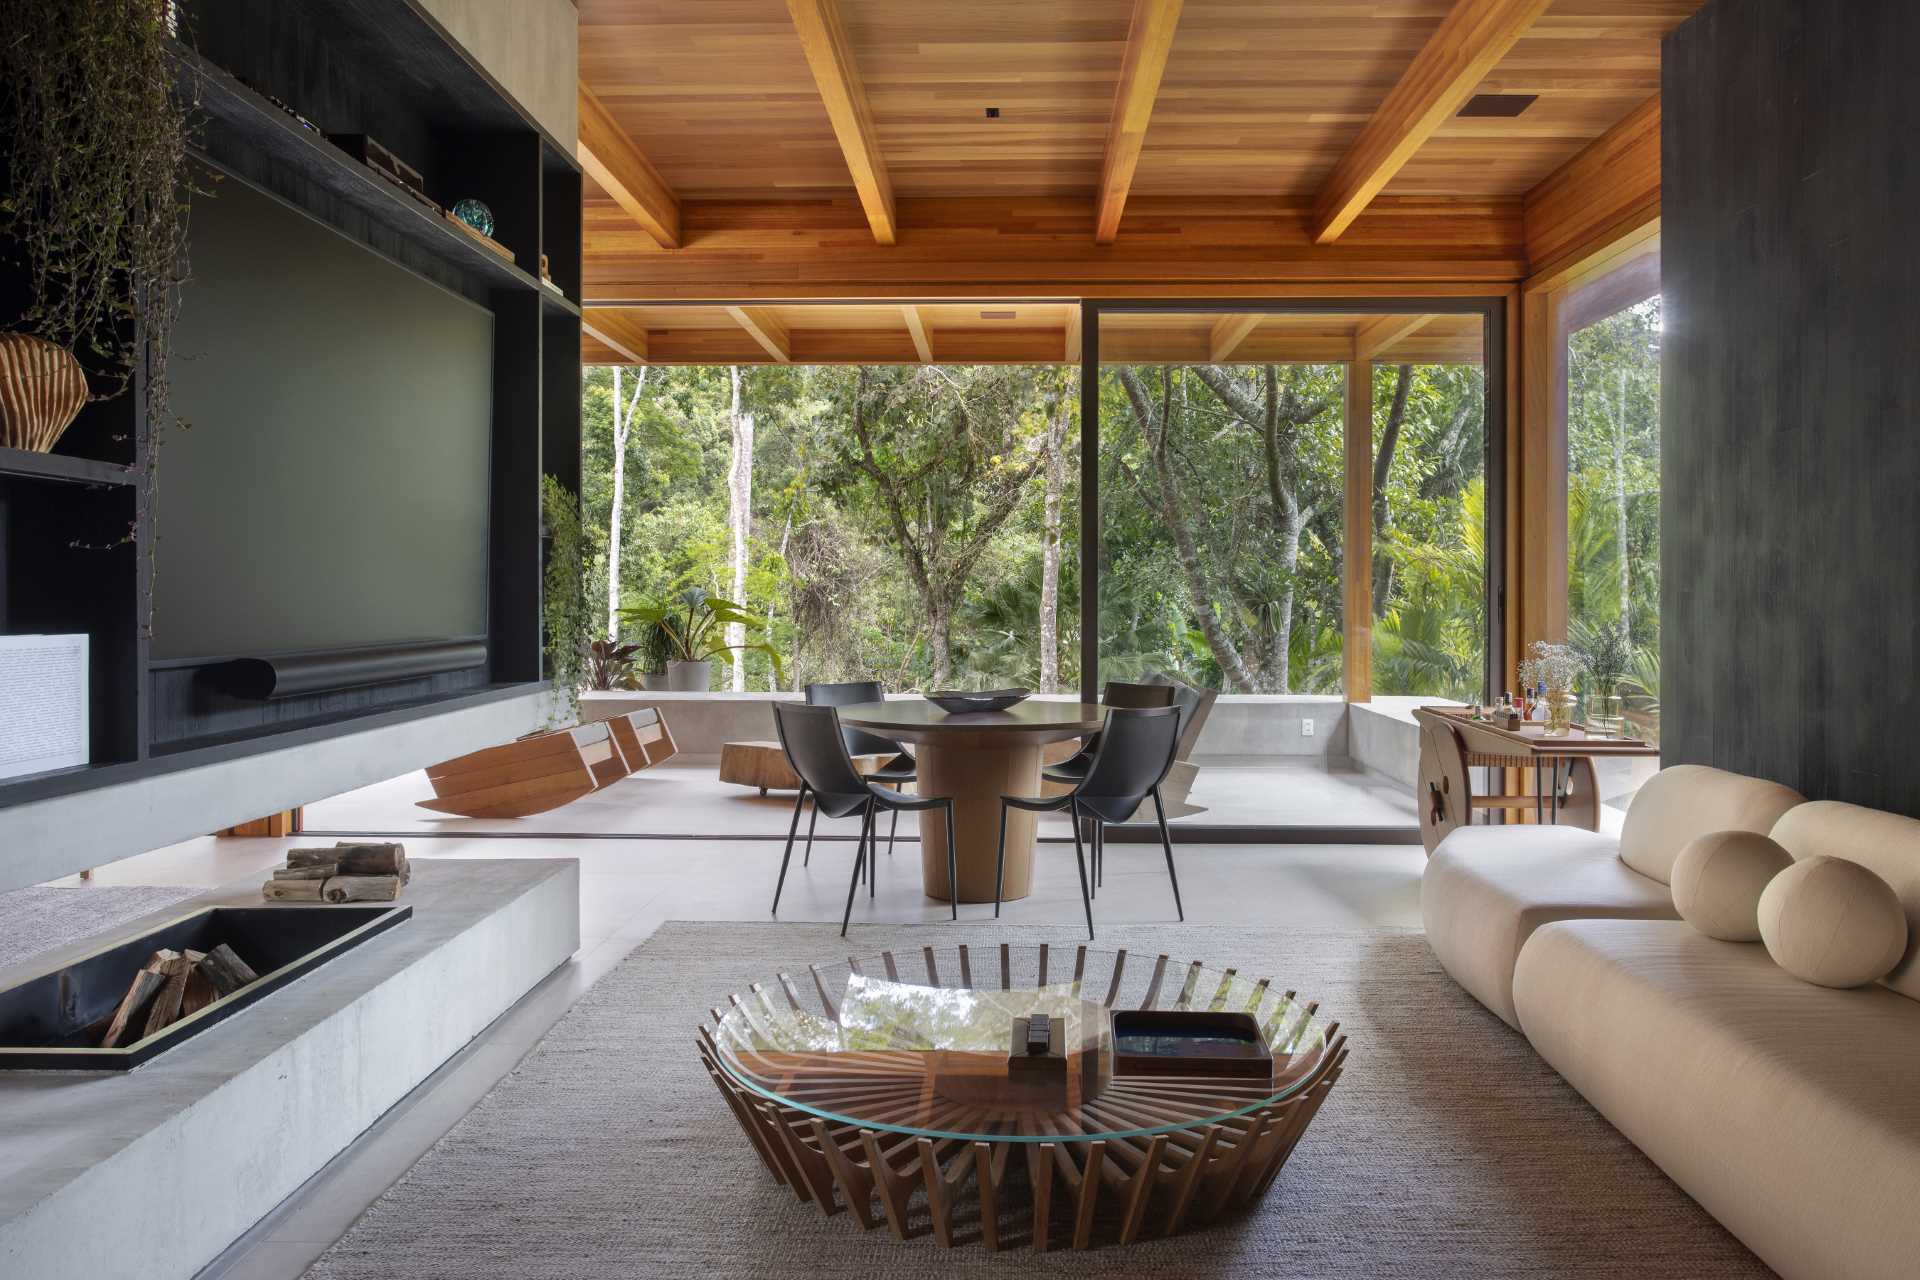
[227, 971]
[200, 991]
[165, 1008]
[146, 985]
[354, 859]
[292, 890]
[376, 862]
[318, 871]
[362, 889]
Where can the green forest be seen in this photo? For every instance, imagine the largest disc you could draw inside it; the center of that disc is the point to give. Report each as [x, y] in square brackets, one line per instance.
[921, 524]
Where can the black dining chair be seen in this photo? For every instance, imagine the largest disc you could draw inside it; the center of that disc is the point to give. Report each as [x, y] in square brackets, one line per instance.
[1136, 750]
[812, 738]
[1116, 693]
[898, 770]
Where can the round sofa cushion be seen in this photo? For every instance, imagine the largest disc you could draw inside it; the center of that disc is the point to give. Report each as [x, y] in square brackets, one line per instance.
[1718, 879]
[1832, 922]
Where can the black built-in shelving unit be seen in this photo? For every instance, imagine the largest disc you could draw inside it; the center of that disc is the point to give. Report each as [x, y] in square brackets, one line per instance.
[75, 535]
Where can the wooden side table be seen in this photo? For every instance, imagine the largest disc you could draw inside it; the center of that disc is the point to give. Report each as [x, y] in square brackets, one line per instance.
[1453, 744]
[764, 765]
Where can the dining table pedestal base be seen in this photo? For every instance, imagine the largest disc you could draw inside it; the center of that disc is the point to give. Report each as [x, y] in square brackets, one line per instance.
[976, 777]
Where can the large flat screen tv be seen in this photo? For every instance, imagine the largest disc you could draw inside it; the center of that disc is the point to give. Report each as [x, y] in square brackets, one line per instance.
[328, 488]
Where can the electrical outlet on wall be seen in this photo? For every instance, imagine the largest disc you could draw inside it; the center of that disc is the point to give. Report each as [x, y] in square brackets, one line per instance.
[1306, 728]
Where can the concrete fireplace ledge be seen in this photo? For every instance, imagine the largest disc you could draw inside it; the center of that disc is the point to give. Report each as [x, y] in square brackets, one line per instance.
[152, 1172]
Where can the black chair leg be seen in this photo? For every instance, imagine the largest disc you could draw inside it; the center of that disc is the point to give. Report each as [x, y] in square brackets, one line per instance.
[811, 819]
[953, 866]
[1166, 843]
[859, 860]
[1000, 864]
[1099, 855]
[873, 862]
[1080, 860]
[787, 857]
[899, 789]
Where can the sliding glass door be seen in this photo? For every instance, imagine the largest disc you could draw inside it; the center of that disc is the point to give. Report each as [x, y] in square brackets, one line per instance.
[1291, 515]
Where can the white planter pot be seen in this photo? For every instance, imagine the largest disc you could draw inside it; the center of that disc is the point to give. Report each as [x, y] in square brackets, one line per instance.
[689, 677]
[653, 681]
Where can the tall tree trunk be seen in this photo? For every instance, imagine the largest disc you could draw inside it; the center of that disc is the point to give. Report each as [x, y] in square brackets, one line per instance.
[1050, 549]
[1280, 645]
[622, 427]
[1620, 500]
[940, 639]
[739, 522]
[1154, 426]
[1382, 471]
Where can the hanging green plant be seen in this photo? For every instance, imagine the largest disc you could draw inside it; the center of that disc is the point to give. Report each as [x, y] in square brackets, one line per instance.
[93, 146]
[566, 625]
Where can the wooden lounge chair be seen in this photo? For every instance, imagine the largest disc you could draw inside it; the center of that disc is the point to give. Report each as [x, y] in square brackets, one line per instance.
[546, 770]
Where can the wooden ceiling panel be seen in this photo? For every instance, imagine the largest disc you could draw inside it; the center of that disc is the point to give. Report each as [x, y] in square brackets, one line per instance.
[932, 70]
[1591, 63]
[717, 94]
[1262, 97]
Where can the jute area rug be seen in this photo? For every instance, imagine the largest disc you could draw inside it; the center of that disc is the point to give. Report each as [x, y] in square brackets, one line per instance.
[1447, 1149]
[44, 917]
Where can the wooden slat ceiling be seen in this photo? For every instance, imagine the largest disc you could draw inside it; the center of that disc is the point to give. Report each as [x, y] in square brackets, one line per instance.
[1260, 97]
[997, 332]
[1259, 102]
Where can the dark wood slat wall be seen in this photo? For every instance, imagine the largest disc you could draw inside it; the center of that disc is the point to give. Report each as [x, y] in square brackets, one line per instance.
[1791, 605]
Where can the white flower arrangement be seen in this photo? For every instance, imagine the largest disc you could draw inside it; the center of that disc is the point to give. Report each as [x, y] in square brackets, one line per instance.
[1555, 665]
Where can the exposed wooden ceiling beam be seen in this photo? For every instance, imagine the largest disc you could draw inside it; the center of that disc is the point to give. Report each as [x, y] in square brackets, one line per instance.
[610, 159]
[611, 329]
[917, 328]
[766, 330]
[1372, 337]
[1228, 333]
[824, 41]
[1471, 39]
[1071, 348]
[1149, 41]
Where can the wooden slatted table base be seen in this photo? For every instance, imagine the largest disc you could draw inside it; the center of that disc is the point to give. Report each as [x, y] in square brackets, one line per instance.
[1125, 1189]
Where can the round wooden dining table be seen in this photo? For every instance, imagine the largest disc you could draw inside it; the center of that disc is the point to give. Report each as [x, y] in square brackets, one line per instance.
[974, 758]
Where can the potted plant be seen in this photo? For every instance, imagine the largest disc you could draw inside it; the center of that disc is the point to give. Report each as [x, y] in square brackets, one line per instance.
[1607, 653]
[610, 665]
[694, 622]
[658, 647]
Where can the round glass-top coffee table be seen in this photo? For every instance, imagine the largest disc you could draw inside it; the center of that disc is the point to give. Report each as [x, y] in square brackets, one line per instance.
[1153, 1093]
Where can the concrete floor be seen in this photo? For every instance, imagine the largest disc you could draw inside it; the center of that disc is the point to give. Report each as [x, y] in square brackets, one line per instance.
[685, 797]
[630, 886]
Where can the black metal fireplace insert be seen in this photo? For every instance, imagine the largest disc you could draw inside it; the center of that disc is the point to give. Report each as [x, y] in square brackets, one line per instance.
[55, 1021]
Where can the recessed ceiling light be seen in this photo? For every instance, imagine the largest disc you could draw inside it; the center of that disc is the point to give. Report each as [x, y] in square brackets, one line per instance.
[993, 113]
[1502, 105]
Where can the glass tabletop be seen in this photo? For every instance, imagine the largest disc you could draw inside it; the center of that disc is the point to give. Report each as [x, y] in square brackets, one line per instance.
[926, 1043]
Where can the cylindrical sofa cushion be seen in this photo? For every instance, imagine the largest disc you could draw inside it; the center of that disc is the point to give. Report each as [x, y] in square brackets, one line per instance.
[1832, 922]
[1884, 843]
[1718, 879]
[1688, 800]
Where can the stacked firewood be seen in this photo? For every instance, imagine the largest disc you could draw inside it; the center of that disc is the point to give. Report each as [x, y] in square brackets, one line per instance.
[350, 871]
[171, 986]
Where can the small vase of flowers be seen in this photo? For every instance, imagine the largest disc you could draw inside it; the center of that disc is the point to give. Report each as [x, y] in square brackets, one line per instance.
[1557, 668]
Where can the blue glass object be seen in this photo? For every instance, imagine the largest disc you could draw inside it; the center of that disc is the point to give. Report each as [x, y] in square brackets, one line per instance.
[475, 215]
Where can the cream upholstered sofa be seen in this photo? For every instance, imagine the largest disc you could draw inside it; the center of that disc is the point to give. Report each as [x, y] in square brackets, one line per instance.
[1486, 889]
[1789, 1111]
